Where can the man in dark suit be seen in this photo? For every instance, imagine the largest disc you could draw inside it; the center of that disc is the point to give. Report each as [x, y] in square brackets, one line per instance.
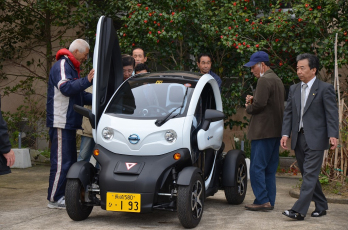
[311, 116]
[7, 156]
[266, 108]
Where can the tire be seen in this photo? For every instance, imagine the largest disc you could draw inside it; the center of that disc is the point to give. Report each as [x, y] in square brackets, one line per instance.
[74, 192]
[190, 202]
[236, 194]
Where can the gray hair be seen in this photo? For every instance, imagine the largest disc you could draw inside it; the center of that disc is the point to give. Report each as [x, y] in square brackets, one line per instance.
[80, 45]
[267, 63]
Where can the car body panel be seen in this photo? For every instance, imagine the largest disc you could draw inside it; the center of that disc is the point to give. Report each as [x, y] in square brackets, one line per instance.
[152, 141]
[212, 138]
[147, 180]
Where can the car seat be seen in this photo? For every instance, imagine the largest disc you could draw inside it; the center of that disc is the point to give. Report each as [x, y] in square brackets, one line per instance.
[175, 96]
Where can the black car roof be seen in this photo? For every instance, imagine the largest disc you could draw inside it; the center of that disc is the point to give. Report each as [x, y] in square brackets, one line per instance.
[171, 74]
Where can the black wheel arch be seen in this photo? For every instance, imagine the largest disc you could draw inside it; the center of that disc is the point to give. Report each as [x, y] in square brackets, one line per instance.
[229, 169]
[185, 175]
[82, 170]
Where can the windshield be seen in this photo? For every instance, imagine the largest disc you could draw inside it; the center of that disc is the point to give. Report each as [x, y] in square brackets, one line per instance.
[152, 98]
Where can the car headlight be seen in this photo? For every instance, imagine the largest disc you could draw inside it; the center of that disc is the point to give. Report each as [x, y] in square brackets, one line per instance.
[107, 133]
[170, 136]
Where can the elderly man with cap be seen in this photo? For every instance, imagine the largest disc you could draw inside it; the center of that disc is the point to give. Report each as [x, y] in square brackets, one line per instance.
[266, 108]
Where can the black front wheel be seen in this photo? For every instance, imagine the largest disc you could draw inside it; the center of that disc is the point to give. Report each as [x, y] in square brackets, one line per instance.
[236, 194]
[74, 197]
[190, 202]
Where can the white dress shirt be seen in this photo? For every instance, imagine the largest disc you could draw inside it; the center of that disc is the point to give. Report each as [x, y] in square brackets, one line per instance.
[308, 89]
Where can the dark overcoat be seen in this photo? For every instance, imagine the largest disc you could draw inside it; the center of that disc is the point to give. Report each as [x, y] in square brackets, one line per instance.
[5, 145]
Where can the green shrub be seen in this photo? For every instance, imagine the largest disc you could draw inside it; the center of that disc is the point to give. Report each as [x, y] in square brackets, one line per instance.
[238, 144]
[285, 153]
[46, 153]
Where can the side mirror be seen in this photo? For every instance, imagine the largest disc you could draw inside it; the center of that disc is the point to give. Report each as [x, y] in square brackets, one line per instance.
[211, 115]
[86, 113]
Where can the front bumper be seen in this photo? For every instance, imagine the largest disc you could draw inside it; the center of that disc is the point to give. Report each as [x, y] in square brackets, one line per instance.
[145, 178]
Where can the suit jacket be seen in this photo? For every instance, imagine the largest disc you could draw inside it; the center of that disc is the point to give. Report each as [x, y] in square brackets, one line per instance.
[267, 108]
[320, 115]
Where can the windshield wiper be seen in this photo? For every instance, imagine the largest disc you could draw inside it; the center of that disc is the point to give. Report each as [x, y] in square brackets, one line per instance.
[166, 118]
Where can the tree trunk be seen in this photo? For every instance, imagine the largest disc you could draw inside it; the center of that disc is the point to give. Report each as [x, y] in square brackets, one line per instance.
[48, 43]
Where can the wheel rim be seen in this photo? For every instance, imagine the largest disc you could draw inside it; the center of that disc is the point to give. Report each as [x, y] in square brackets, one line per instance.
[241, 175]
[196, 199]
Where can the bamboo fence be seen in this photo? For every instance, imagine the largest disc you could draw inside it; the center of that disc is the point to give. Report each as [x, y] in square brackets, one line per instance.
[335, 162]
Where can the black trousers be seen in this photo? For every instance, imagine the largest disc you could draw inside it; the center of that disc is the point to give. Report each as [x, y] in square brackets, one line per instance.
[4, 169]
[309, 162]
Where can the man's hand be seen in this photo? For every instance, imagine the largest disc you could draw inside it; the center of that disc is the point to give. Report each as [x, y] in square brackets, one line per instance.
[333, 142]
[90, 75]
[283, 142]
[248, 100]
[10, 157]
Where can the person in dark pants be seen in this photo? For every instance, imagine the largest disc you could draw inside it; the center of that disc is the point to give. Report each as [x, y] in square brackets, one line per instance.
[311, 117]
[266, 108]
[7, 156]
[65, 88]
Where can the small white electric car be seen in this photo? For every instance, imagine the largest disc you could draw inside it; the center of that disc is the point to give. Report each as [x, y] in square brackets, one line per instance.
[158, 140]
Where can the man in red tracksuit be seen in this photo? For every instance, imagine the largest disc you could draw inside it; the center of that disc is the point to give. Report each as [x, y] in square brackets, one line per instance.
[65, 88]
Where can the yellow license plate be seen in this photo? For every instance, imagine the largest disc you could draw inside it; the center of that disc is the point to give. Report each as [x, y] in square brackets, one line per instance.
[123, 202]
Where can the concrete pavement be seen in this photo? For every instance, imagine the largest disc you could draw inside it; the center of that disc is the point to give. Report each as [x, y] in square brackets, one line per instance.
[23, 206]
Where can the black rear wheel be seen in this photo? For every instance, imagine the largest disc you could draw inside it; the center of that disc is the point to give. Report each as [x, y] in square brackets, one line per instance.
[190, 202]
[74, 197]
[236, 194]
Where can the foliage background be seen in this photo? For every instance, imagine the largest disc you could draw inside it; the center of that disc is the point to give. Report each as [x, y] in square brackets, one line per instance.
[172, 33]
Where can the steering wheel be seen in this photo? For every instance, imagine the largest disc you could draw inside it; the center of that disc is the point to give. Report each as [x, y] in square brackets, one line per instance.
[152, 108]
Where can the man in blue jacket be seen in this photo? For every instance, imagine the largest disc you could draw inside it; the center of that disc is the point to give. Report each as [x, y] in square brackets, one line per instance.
[65, 88]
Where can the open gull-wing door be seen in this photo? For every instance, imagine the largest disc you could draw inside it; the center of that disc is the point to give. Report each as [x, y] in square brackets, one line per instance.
[107, 63]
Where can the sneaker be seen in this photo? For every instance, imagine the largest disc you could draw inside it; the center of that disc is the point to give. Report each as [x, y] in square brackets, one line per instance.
[60, 204]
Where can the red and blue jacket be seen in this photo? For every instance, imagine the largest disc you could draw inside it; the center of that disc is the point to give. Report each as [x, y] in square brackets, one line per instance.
[66, 88]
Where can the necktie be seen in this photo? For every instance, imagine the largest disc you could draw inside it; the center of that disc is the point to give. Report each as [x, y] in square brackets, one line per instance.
[303, 101]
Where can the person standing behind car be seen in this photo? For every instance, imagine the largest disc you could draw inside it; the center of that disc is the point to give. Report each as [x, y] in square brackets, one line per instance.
[7, 156]
[141, 68]
[128, 64]
[266, 109]
[87, 141]
[65, 88]
[139, 55]
[204, 65]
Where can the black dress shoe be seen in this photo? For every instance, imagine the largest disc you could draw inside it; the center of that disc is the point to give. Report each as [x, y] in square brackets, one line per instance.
[294, 215]
[316, 213]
